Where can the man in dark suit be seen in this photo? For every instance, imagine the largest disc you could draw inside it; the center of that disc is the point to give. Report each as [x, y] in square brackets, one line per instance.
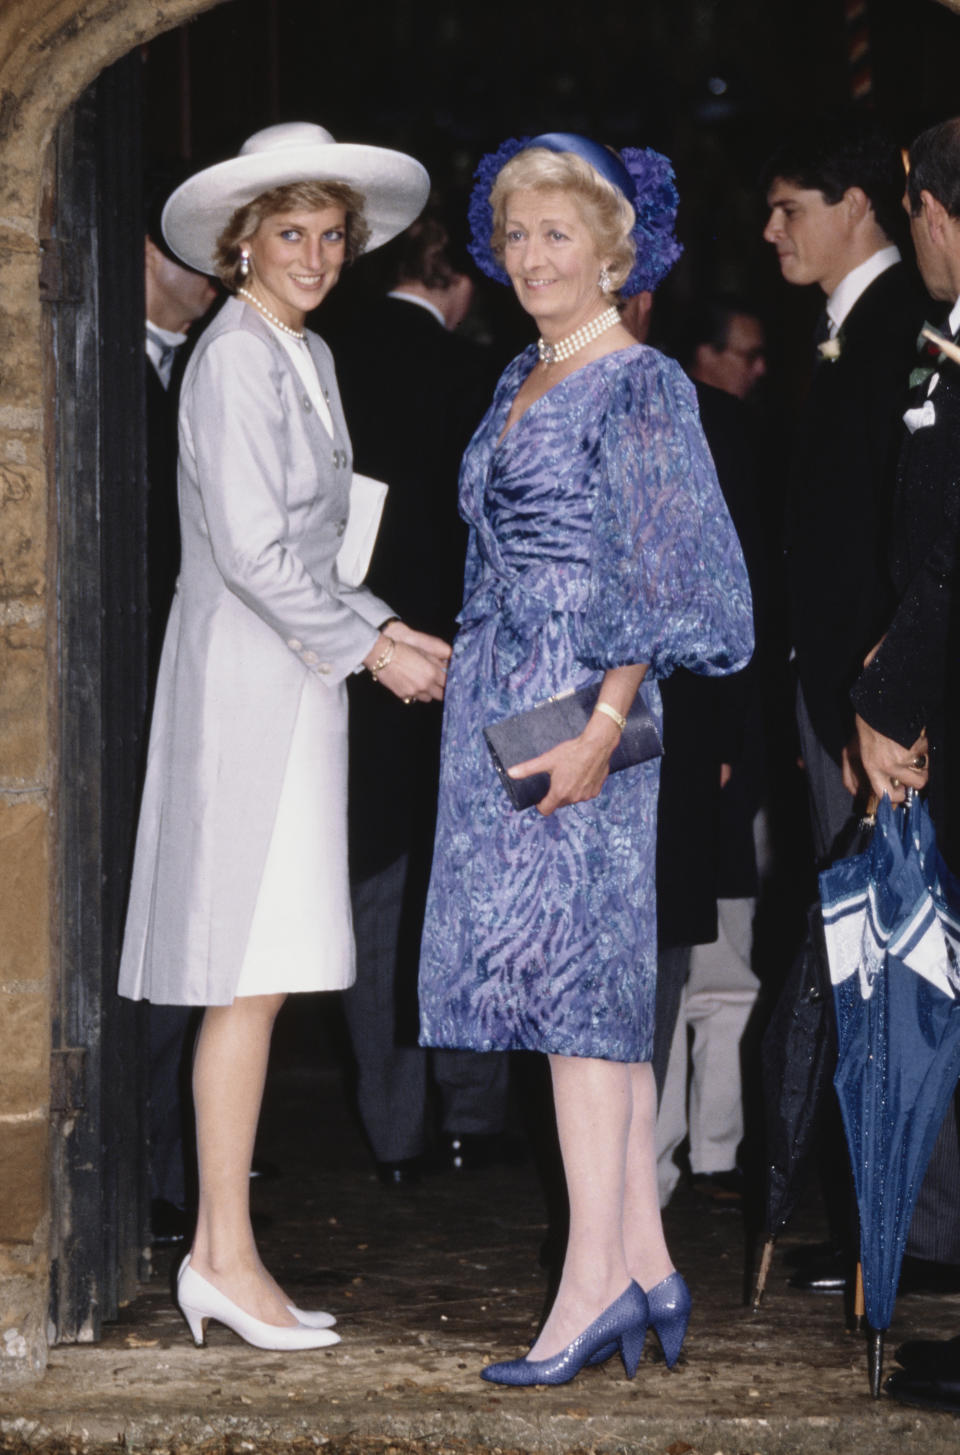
[907, 698]
[834, 192]
[834, 197]
[413, 392]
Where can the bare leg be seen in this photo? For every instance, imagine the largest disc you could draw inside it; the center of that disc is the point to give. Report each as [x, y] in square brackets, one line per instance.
[593, 1106]
[229, 1071]
[644, 1245]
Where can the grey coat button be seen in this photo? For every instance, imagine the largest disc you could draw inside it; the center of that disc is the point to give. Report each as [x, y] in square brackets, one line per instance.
[307, 405]
[323, 667]
[341, 527]
[311, 659]
[295, 645]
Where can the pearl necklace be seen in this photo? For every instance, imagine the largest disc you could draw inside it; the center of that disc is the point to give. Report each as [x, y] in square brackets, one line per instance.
[284, 327]
[563, 348]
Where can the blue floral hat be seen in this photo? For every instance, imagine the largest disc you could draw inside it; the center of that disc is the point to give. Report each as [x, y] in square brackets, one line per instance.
[645, 178]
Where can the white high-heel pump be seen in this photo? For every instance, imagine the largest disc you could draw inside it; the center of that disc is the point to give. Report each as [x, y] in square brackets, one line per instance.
[310, 1318]
[200, 1301]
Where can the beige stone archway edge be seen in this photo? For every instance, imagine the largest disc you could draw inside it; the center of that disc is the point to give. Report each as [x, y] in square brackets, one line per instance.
[50, 51]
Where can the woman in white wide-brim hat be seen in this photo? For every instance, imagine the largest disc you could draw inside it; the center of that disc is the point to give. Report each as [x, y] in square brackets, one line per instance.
[240, 891]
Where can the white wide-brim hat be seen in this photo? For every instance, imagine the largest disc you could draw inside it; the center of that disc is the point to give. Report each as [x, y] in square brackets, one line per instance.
[394, 186]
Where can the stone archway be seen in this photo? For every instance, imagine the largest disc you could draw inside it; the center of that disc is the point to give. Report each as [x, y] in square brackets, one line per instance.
[47, 59]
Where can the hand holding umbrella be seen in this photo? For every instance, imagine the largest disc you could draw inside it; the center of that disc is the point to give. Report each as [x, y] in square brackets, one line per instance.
[891, 768]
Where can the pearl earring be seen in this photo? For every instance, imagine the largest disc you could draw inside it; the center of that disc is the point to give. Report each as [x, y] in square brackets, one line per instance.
[603, 282]
[244, 268]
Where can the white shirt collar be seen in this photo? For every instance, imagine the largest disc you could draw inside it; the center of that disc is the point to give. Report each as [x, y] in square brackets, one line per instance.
[857, 281]
[159, 340]
[421, 302]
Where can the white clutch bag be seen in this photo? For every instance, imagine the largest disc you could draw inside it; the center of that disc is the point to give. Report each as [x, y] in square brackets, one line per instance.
[367, 499]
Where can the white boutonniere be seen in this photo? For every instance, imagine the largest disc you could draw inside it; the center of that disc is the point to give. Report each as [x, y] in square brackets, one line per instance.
[831, 348]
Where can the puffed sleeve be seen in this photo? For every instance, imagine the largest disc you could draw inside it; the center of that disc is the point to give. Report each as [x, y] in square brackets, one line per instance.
[234, 427]
[668, 582]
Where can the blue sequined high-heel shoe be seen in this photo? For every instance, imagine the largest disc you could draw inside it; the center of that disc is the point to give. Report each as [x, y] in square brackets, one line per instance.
[623, 1326]
[669, 1303]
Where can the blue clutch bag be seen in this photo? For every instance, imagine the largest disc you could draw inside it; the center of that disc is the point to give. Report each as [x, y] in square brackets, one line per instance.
[531, 733]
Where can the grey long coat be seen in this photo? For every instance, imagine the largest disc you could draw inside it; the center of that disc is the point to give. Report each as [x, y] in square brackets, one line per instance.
[264, 497]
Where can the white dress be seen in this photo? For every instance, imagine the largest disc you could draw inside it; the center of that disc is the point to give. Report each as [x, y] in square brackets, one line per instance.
[301, 934]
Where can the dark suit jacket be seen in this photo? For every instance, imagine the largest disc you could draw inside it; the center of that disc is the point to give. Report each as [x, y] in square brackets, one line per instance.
[912, 681]
[841, 478]
[413, 393]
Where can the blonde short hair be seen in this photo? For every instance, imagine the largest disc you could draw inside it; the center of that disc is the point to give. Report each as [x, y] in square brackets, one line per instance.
[309, 196]
[603, 207]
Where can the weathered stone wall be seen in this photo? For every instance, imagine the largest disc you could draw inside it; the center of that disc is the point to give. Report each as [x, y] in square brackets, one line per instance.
[48, 55]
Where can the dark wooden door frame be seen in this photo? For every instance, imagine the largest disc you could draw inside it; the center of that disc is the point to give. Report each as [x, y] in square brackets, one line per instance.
[93, 283]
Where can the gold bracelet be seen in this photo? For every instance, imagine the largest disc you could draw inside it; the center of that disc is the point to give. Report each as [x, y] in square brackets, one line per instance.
[384, 659]
[612, 714]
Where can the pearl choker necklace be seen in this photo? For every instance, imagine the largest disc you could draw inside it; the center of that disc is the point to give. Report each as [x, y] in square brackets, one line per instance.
[556, 353]
[284, 327]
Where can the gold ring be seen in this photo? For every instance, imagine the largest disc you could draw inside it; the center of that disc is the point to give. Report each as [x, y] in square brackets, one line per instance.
[408, 700]
[919, 762]
[895, 783]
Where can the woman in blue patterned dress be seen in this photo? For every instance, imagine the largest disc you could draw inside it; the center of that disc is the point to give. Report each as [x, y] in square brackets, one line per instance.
[600, 550]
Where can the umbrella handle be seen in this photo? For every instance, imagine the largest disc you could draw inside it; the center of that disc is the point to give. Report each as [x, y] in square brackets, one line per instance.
[765, 1262]
[859, 1300]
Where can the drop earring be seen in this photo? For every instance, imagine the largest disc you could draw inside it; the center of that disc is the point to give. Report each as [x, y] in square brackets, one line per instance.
[603, 282]
[244, 268]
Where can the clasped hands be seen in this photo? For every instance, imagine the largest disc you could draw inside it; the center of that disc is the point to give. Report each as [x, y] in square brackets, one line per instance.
[417, 671]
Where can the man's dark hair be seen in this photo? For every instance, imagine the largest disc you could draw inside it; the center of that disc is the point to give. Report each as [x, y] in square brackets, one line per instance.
[832, 156]
[425, 252]
[158, 182]
[708, 322]
[935, 167]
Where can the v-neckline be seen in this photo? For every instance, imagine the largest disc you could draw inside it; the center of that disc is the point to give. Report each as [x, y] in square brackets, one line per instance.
[508, 430]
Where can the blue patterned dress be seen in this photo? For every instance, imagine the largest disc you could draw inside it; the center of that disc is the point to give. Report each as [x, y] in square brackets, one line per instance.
[598, 537]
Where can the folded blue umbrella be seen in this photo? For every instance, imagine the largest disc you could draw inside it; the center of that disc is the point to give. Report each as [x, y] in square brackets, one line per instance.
[891, 919]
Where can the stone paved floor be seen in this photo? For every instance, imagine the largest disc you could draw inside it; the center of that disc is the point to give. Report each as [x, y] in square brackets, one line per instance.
[430, 1284]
